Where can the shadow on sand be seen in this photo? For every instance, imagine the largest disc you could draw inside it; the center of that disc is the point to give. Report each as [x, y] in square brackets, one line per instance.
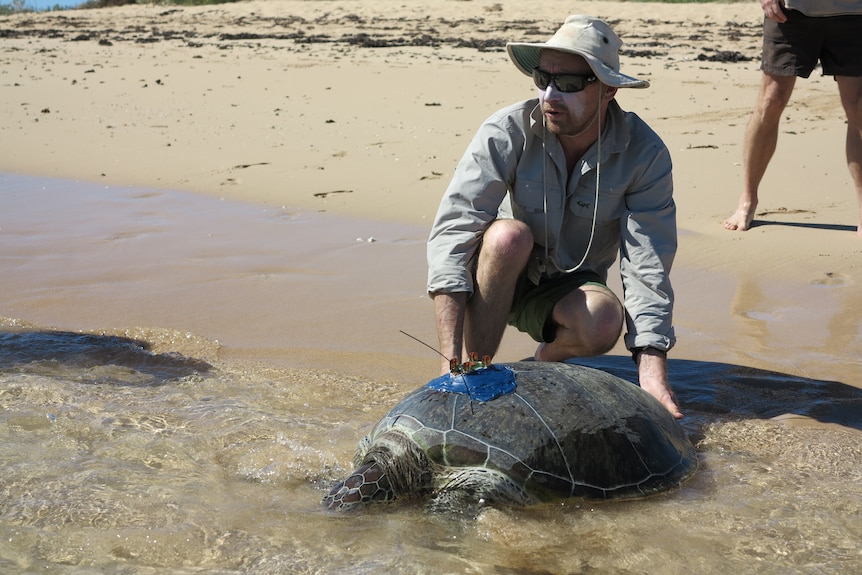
[810, 225]
[706, 390]
[92, 358]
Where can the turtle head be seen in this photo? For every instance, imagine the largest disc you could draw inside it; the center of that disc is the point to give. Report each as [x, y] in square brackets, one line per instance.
[366, 484]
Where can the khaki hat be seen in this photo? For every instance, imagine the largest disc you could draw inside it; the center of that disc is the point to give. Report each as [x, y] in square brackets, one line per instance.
[585, 36]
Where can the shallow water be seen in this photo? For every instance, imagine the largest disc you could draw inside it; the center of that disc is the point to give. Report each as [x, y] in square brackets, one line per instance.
[119, 459]
[136, 449]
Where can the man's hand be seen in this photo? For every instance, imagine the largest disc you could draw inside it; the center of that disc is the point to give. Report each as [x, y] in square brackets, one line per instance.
[772, 9]
[652, 374]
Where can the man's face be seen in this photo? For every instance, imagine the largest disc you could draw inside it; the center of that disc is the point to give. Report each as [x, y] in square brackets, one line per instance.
[571, 113]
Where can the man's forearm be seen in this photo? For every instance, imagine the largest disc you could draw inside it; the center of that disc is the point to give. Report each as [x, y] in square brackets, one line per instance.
[449, 309]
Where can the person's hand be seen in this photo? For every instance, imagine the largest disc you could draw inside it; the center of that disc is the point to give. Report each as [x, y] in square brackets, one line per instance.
[663, 393]
[652, 375]
[773, 9]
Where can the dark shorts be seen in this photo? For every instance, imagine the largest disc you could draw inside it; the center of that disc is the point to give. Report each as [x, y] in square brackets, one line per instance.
[794, 47]
[533, 305]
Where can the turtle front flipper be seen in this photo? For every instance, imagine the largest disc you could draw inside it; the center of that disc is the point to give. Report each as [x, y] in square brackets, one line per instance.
[468, 489]
[368, 483]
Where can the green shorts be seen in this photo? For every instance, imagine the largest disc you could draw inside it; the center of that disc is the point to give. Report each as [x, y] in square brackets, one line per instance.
[533, 305]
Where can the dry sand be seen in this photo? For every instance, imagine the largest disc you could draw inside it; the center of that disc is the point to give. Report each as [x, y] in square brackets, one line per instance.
[360, 109]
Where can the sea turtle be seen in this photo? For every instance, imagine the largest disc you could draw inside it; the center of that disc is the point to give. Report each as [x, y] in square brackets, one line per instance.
[519, 433]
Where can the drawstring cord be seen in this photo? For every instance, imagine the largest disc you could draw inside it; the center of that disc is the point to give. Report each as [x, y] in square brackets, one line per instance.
[548, 257]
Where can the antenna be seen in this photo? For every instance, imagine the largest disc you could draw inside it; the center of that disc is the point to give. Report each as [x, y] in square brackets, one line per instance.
[434, 349]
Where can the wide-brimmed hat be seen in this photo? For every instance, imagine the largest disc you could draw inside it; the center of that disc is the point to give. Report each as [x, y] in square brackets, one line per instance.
[585, 36]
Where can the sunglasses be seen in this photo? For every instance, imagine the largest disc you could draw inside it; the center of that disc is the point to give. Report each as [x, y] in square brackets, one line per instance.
[566, 83]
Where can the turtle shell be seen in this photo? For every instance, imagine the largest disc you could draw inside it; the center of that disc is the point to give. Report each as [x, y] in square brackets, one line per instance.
[564, 431]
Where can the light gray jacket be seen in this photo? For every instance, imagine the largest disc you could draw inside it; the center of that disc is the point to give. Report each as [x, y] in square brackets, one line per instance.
[514, 168]
[825, 7]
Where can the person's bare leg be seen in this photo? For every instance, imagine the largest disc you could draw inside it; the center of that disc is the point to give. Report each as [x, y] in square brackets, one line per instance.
[590, 321]
[761, 139]
[506, 247]
[850, 90]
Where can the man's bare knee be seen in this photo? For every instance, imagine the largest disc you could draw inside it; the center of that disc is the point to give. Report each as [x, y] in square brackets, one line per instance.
[508, 238]
[607, 316]
[607, 335]
[591, 318]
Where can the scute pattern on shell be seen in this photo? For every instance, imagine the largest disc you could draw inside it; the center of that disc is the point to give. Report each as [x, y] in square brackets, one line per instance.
[566, 431]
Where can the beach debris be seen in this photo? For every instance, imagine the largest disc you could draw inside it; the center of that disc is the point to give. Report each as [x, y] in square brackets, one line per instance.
[327, 194]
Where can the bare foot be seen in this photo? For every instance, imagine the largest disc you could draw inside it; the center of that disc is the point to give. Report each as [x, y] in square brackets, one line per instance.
[545, 354]
[539, 355]
[549, 352]
[741, 219]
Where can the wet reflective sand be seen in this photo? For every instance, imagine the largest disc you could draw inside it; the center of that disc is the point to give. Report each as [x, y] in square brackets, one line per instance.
[182, 379]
